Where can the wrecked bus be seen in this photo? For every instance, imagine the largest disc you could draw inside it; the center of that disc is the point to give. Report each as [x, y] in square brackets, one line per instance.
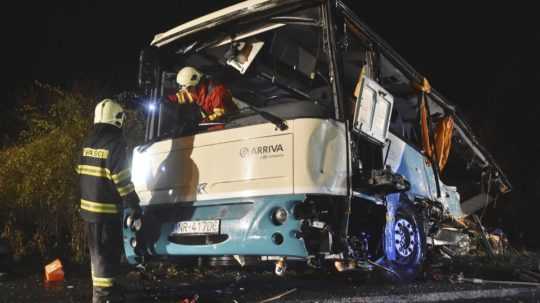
[340, 152]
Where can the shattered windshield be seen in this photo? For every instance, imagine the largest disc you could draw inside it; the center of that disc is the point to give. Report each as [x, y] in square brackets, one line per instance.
[278, 66]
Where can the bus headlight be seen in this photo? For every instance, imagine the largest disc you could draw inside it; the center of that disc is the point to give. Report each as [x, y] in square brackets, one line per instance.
[279, 216]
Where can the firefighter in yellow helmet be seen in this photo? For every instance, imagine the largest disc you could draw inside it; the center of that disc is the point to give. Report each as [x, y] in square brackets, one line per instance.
[106, 189]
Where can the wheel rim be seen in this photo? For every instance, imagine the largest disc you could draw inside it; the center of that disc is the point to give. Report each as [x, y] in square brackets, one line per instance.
[405, 237]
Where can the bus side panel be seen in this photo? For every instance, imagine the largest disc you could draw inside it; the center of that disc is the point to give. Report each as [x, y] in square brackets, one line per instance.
[411, 164]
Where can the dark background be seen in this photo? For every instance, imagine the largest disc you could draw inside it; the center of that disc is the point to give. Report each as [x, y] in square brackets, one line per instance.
[484, 58]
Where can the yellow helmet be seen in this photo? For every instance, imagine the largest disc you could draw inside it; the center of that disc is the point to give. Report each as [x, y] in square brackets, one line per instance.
[188, 76]
[110, 112]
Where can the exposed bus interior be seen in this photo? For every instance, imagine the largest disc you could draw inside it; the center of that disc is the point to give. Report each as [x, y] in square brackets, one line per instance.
[463, 168]
[277, 65]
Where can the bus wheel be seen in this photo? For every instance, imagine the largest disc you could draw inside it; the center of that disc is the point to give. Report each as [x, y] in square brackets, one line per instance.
[405, 245]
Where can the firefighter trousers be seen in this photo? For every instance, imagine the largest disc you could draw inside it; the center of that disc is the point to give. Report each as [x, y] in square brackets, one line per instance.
[105, 245]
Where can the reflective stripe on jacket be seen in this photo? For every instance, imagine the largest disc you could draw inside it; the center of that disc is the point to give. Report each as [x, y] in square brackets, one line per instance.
[105, 177]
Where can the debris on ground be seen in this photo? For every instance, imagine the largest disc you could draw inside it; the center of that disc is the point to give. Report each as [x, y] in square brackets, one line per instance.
[498, 241]
[484, 237]
[488, 257]
[54, 271]
[277, 297]
[528, 275]
[192, 300]
[461, 279]
[344, 265]
[468, 237]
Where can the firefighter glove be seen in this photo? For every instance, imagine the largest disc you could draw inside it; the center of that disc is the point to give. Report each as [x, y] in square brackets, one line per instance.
[134, 219]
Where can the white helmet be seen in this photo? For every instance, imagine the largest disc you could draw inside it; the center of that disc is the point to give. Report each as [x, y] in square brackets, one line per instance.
[188, 76]
[110, 112]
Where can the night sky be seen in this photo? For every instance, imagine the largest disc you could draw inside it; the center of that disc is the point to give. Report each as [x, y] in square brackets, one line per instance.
[483, 58]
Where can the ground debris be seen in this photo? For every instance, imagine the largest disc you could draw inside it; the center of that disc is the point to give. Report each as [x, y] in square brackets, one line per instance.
[54, 271]
[528, 275]
[512, 266]
[195, 299]
[461, 279]
[279, 296]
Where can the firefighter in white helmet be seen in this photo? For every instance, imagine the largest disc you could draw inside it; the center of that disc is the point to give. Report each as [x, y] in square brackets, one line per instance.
[214, 98]
[106, 190]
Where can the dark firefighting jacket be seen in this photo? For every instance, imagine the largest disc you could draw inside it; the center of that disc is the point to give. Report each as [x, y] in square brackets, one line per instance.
[105, 177]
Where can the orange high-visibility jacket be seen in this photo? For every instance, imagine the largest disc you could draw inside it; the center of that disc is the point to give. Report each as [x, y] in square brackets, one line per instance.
[213, 98]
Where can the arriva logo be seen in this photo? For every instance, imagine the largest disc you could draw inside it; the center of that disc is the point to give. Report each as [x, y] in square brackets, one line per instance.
[263, 151]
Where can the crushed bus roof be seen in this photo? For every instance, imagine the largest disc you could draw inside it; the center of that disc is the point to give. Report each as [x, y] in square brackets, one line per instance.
[227, 14]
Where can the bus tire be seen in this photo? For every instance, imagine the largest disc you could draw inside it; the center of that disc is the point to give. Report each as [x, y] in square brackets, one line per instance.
[409, 245]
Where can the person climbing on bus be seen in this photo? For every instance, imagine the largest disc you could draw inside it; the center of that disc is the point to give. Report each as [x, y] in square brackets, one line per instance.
[214, 98]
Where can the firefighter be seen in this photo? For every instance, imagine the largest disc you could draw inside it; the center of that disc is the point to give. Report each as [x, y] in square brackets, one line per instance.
[106, 190]
[214, 98]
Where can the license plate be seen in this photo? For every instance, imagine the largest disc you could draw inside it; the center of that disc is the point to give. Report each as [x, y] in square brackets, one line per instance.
[197, 227]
